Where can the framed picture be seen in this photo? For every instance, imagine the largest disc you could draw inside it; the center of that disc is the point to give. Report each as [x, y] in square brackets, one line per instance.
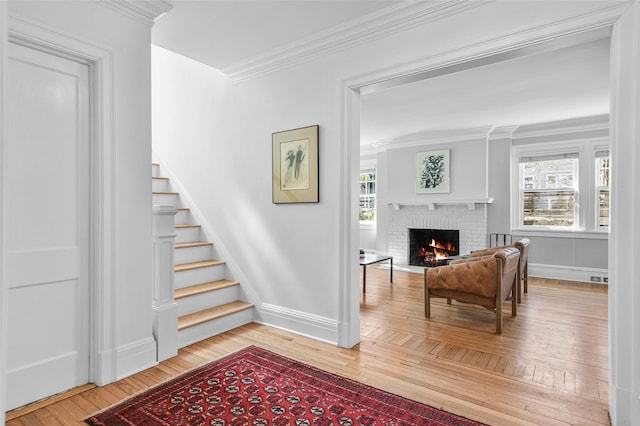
[295, 165]
[432, 172]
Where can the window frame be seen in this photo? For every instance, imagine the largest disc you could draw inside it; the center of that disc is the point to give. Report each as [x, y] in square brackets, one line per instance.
[574, 189]
[585, 185]
[602, 152]
[374, 171]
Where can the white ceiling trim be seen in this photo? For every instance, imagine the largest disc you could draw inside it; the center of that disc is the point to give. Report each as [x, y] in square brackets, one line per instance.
[563, 127]
[145, 11]
[518, 43]
[502, 132]
[583, 124]
[430, 138]
[355, 32]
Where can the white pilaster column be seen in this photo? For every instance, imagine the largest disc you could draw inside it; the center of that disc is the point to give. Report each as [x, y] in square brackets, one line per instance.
[4, 36]
[165, 309]
[624, 238]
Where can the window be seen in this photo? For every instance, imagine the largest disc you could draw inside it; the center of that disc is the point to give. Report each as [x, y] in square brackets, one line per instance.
[561, 186]
[368, 195]
[602, 187]
[549, 193]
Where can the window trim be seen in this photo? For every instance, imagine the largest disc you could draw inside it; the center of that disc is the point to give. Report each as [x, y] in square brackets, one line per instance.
[585, 188]
[601, 152]
[369, 224]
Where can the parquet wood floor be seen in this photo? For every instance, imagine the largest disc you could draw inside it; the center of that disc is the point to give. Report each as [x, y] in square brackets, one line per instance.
[549, 366]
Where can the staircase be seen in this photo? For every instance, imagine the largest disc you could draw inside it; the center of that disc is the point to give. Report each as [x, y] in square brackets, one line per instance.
[208, 302]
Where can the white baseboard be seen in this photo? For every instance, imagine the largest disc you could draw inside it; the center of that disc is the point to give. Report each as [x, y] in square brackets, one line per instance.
[302, 323]
[136, 357]
[569, 273]
[558, 272]
[102, 370]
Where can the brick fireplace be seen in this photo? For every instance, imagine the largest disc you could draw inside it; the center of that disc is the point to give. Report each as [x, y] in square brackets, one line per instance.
[432, 247]
[470, 223]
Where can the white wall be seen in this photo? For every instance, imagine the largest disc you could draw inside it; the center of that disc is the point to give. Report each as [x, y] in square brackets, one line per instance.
[573, 256]
[288, 253]
[468, 181]
[122, 290]
[562, 256]
[300, 273]
[216, 138]
[368, 235]
[468, 171]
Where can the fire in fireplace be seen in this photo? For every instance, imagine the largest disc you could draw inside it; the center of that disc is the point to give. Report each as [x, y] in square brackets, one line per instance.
[432, 247]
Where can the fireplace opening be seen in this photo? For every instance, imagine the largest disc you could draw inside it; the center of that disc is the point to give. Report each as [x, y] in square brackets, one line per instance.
[432, 247]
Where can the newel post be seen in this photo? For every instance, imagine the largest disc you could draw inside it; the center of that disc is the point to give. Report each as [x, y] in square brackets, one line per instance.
[165, 309]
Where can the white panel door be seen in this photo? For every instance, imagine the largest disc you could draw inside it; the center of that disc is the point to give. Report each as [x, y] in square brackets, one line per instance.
[47, 225]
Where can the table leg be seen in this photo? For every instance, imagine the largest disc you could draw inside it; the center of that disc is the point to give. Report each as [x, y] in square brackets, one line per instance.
[364, 278]
[391, 270]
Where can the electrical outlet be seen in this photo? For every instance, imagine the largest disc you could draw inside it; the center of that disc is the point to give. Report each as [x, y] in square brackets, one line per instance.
[595, 279]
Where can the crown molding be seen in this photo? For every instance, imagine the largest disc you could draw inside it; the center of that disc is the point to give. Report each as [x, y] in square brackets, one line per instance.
[569, 31]
[399, 17]
[432, 137]
[502, 132]
[563, 127]
[144, 11]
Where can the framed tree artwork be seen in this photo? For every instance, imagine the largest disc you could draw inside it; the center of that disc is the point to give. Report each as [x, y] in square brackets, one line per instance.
[432, 172]
[295, 166]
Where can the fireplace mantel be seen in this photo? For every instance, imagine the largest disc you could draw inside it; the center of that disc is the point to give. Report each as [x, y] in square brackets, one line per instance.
[431, 204]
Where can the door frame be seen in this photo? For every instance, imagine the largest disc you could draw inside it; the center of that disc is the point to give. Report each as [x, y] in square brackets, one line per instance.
[3, 154]
[102, 340]
[488, 51]
[621, 18]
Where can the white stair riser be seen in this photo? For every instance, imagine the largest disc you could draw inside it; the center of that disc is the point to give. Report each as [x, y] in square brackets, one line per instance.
[199, 302]
[199, 276]
[192, 254]
[183, 217]
[160, 185]
[164, 199]
[187, 235]
[205, 330]
[196, 276]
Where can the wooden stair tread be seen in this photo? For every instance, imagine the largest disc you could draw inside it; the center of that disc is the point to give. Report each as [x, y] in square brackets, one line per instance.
[159, 178]
[183, 208]
[203, 288]
[190, 225]
[203, 316]
[193, 244]
[164, 193]
[195, 265]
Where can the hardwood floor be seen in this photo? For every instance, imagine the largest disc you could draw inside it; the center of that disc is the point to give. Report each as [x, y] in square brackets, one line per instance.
[549, 366]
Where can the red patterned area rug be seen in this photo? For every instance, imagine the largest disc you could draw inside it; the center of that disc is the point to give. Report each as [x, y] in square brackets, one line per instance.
[256, 387]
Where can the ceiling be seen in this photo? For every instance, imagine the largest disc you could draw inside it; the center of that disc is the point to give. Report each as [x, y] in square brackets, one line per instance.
[224, 33]
[556, 84]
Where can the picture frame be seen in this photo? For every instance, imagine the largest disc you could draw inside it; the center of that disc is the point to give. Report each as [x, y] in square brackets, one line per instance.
[295, 165]
[432, 172]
